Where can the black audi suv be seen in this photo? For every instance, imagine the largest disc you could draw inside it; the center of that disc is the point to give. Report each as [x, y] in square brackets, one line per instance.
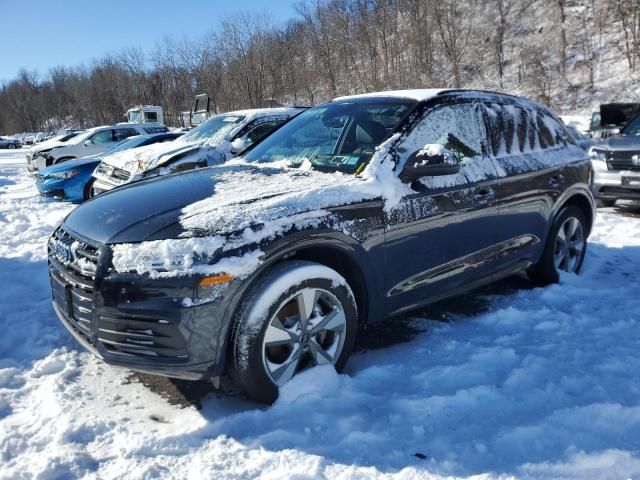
[357, 210]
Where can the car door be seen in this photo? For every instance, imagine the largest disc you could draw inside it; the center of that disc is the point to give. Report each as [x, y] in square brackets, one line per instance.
[440, 239]
[528, 149]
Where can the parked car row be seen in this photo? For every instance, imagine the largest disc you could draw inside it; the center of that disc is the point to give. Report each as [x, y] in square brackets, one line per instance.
[79, 165]
[327, 220]
[10, 143]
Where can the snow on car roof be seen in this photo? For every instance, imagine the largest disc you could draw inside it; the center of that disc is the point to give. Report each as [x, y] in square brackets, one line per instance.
[416, 94]
[262, 112]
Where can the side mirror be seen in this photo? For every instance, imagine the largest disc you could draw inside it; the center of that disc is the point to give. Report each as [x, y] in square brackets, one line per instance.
[87, 143]
[432, 160]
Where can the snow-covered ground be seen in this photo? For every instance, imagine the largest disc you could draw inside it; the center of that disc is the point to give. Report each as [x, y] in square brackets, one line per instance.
[512, 381]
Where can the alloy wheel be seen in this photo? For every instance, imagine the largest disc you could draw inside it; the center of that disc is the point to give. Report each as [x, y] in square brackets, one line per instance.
[569, 245]
[308, 329]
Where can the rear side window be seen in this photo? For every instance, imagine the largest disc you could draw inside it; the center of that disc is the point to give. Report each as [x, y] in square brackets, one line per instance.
[457, 127]
[162, 129]
[516, 129]
[255, 133]
[122, 133]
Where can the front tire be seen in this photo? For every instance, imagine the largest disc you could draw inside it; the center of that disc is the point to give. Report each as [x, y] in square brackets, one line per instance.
[565, 248]
[299, 315]
[89, 192]
[11, 146]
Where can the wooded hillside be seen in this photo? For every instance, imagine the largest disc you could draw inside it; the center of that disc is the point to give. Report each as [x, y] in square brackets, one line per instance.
[570, 54]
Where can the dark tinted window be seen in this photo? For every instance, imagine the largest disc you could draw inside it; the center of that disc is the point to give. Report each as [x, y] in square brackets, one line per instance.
[495, 127]
[545, 137]
[633, 127]
[257, 132]
[521, 129]
[122, 133]
[151, 116]
[155, 129]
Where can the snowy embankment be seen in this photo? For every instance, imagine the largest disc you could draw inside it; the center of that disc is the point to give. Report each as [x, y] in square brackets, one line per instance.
[518, 382]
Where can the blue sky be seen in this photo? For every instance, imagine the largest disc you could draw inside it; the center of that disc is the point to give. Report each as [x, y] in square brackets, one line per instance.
[40, 34]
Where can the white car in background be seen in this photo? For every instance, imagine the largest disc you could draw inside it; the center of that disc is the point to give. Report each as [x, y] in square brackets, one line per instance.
[92, 142]
[57, 141]
[214, 141]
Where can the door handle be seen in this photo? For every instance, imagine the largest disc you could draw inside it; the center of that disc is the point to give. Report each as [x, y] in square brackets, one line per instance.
[484, 195]
[556, 180]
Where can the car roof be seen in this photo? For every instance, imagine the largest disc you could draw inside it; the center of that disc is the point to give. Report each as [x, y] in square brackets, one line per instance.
[254, 113]
[414, 94]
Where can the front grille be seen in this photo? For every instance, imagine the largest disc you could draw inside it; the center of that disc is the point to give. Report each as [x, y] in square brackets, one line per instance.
[120, 174]
[622, 160]
[72, 268]
[142, 336]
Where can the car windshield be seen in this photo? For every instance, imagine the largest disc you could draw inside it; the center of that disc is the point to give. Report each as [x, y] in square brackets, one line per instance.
[213, 130]
[126, 144]
[333, 137]
[632, 128]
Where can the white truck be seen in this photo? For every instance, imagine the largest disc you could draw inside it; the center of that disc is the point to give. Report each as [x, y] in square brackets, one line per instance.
[145, 114]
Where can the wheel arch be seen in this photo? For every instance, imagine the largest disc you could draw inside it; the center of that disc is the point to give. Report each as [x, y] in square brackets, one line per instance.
[581, 198]
[343, 256]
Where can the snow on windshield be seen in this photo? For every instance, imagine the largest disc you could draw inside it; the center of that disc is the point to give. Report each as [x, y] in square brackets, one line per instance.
[214, 130]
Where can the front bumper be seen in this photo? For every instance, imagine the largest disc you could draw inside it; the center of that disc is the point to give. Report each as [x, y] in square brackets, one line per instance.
[616, 185]
[104, 184]
[165, 326]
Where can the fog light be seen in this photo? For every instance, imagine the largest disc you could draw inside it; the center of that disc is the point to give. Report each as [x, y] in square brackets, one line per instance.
[215, 280]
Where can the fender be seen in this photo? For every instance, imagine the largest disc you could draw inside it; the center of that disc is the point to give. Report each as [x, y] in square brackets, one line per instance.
[286, 247]
[581, 190]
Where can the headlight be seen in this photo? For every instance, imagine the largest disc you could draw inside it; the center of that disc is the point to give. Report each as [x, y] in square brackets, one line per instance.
[179, 256]
[62, 175]
[597, 154]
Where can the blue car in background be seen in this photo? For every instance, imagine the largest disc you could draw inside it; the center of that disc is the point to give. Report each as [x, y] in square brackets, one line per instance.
[71, 181]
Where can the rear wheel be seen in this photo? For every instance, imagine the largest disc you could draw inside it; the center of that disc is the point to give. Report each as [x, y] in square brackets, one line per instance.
[11, 146]
[565, 248]
[298, 316]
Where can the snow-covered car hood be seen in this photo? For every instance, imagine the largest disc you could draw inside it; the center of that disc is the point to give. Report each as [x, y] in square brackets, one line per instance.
[209, 201]
[620, 143]
[142, 159]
